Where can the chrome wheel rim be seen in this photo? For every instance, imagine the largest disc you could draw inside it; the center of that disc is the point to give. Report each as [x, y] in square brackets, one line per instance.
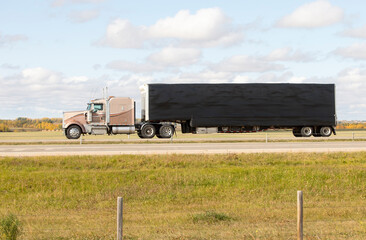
[149, 131]
[325, 131]
[166, 131]
[74, 132]
[307, 131]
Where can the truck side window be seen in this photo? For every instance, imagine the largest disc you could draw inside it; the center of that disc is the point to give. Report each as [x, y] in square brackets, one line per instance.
[98, 107]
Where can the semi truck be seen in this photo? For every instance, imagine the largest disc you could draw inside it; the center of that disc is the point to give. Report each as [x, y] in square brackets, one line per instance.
[307, 109]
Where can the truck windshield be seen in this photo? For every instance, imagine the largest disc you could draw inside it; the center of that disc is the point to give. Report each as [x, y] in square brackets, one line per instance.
[89, 106]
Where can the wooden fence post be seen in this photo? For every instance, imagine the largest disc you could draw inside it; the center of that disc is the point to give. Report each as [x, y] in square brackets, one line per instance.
[119, 218]
[299, 216]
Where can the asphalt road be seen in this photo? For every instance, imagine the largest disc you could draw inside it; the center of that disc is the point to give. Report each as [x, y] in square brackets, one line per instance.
[186, 148]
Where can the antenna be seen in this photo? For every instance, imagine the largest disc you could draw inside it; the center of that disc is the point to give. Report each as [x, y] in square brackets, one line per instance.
[105, 92]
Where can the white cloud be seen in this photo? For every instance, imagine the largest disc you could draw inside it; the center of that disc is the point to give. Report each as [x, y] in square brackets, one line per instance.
[168, 59]
[351, 88]
[83, 16]
[243, 63]
[296, 79]
[122, 65]
[76, 79]
[40, 75]
[241, 79]
[352, 76]
[10, 39]
[175, 57]
[288, 54]
[311, 15]
[206, 28]
[206, 76]
[356, 32]
[122, 34]
[356, 51]
[34, 89]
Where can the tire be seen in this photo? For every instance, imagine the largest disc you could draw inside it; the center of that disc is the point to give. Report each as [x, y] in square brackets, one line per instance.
[157, 127]
[139, 134]
[73, 132]
[307, 131]
[296, 132]
[325, 131]
[148, 131]
[166, 131]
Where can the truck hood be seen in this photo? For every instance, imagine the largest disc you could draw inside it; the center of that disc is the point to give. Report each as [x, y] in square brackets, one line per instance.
[73, 116]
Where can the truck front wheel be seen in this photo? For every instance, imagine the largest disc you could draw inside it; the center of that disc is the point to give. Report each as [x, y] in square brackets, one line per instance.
[73, 132]
[148, 131]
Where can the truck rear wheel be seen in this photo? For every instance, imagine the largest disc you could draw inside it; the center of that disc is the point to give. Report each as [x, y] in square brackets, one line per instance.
[325, 131]
[306, 131]
[148, 131]
[73, 132]
[166, 131]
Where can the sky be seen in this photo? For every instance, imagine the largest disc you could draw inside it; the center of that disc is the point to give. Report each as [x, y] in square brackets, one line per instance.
[57, 55]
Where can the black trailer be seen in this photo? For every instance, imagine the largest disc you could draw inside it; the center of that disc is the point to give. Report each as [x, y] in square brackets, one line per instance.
[308, 109]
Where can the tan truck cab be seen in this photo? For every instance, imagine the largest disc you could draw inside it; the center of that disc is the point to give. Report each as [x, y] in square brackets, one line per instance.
[113, 115]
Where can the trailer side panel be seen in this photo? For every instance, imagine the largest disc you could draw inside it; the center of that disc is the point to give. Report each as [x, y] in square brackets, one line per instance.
[279, 105]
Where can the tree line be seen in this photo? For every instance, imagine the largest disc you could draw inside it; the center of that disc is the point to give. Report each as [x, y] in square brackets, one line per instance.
[351, 125]
[28, 123]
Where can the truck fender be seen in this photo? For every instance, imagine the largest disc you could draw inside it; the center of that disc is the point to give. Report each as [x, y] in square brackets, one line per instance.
[78, 124]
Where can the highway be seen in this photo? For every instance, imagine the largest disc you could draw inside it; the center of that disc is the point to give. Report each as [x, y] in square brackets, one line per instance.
[180, 148]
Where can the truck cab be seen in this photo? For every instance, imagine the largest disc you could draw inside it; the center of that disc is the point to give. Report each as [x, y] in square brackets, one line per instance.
[112, 115]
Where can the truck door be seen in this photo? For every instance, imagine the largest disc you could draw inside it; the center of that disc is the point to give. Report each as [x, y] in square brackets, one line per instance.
[98, 113]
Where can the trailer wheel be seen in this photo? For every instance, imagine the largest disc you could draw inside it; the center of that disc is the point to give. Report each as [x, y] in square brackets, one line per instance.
[296, 132]
[73, 132]
[306, 131]
[325, 131]
[148, 131]
[166, 131]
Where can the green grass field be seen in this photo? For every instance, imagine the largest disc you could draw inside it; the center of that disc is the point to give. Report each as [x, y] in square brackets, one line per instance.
[244, 196]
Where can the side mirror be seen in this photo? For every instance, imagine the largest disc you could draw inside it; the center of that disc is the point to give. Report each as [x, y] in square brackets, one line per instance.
[89, 116]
